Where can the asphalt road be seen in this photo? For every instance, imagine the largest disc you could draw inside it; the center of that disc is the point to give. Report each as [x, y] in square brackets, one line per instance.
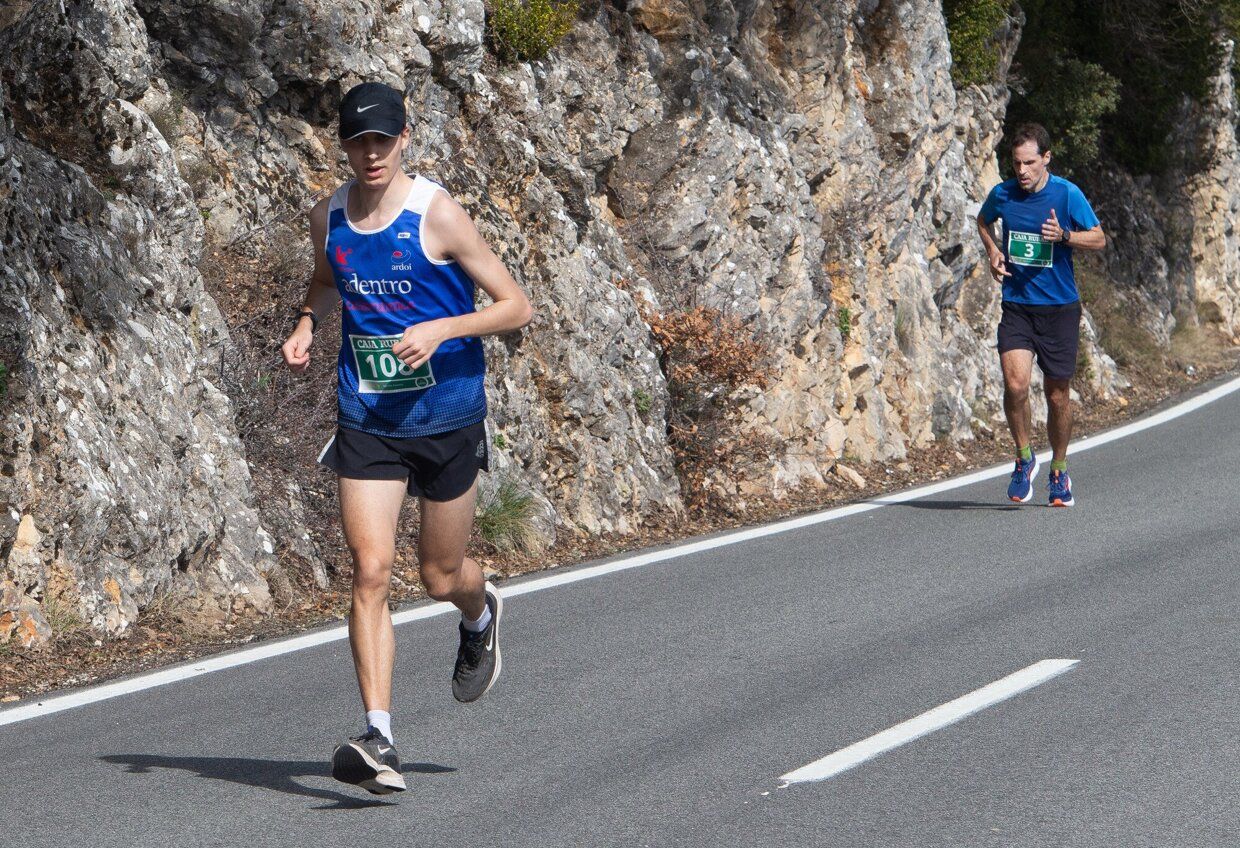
[660, 705]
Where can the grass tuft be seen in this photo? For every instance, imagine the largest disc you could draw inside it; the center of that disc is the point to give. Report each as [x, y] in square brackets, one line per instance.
[642, 401]
[62, 617]
[506, 520]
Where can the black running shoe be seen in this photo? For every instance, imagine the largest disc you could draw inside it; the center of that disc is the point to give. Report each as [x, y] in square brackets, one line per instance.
[369, 761]
[478, 660]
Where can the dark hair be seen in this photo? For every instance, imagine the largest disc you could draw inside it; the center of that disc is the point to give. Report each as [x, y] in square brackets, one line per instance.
[1032, 132]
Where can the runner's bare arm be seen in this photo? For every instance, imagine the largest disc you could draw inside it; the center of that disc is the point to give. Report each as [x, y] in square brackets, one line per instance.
[321, 297]
[1091, 239]
[451, 234]
[998, 268]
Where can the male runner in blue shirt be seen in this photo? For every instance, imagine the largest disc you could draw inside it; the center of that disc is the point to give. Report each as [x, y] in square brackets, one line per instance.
[1045, 218]
[402, 257]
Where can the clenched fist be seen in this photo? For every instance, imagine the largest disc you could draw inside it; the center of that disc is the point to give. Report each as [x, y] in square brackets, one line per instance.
[297, 349]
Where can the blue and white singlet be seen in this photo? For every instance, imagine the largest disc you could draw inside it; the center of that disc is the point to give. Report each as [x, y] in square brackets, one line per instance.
[387, 283]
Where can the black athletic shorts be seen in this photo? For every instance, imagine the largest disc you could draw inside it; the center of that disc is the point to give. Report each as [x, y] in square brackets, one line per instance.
[439, 467]
[1051, 332]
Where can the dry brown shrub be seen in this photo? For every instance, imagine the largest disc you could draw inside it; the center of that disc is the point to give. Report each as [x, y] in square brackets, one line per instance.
[259, 283]
[706, 356]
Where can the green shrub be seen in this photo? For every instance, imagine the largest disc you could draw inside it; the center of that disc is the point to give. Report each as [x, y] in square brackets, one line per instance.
[971, 28]
[845, 321]
[1116, 84]
[528, 29]
[4, 379]
[506, 520]
[499, 442]
[1231, 21]
[1072, 114]
[642, 401]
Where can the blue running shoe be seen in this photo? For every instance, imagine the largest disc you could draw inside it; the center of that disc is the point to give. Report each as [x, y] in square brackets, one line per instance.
[1021, 487]
[1060, 486]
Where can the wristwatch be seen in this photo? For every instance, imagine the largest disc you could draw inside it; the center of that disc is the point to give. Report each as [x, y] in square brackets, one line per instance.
[314, 319]
[1067, 236]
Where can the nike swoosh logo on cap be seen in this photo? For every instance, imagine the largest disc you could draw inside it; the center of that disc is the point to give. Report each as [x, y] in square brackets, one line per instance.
[364, 108]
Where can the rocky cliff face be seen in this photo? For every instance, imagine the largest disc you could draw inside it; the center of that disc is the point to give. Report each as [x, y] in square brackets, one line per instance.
[805, 167]
[1176, 249]
[122, 477]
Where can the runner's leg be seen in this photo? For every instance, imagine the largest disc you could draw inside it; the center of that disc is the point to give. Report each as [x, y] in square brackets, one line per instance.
[369, 510]
[1059, 416]
[1017, 368]
[447, 573]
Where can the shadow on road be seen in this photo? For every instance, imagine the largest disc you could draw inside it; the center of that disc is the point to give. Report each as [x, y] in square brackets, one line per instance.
[279, 775]
[956, 505]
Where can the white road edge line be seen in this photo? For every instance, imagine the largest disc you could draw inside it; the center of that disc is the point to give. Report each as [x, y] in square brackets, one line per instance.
[297, 643]
[927, 722]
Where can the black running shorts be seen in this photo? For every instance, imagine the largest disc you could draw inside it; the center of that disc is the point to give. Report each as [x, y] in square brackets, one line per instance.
[1051, 332]
[439, 467]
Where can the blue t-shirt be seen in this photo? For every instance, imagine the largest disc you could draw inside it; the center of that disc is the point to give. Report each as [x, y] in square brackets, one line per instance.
[387, 283]
[1041, 271]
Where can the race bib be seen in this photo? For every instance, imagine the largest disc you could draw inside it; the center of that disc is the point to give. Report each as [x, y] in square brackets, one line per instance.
[1030, 249]
[379, 370]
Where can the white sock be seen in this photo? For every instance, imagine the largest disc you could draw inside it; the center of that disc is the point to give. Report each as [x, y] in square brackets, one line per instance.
[382, 722]
[479, 625]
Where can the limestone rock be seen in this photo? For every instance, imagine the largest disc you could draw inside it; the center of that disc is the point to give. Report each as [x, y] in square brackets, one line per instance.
[117, 447]
[849, 474]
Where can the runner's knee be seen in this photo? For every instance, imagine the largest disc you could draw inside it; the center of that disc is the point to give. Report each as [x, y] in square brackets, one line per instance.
[1058, 393]
[439, 578]
[372, 575]
[1016, 391]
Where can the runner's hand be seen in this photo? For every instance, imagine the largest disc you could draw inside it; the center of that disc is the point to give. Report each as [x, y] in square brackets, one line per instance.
[1051, 231]
[297, 350]
[998, 268]
[418, 344]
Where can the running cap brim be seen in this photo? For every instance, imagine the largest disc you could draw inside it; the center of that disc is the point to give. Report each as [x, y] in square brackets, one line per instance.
[372, 107]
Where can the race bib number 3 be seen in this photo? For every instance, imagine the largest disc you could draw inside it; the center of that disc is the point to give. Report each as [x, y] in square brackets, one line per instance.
[378, 369]
[1030, 249]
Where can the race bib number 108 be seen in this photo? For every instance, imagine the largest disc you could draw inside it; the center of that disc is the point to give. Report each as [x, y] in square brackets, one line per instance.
[379, 370]
[1030, 249]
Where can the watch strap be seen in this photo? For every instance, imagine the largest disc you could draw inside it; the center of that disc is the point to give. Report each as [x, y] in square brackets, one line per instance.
[314, 319]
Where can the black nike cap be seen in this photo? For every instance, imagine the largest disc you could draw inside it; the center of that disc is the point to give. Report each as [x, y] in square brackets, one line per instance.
[372, 107]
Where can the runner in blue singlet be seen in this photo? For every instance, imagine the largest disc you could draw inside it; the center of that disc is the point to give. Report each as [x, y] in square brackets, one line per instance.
[402, 258]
